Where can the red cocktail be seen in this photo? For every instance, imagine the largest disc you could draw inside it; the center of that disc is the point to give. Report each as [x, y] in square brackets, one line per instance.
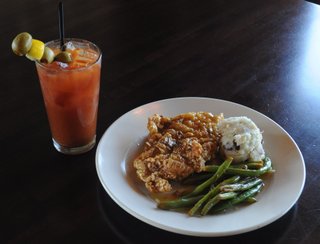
[71, 94]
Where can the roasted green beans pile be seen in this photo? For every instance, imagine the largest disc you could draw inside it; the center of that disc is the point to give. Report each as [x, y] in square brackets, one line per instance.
[223, 187]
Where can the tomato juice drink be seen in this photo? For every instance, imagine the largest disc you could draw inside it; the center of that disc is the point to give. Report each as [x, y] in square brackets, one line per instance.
[71, 93]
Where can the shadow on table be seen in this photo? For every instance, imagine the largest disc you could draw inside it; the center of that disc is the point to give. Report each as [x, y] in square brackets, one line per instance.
[131, 230]
[314, 1]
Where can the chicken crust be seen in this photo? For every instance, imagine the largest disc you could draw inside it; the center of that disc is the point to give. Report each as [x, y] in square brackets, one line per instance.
[176, 147]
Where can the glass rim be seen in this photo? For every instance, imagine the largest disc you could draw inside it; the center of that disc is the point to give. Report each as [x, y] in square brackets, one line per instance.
[44, 65]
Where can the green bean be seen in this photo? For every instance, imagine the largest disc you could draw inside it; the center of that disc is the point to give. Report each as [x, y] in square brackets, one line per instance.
[218, 173]
[242, 172]
[224, 193]
[249, 165]
[213, 201]
[240, 166]
[240, 198]
[193, 179]
[241, 186]
[178, 203]
[251, 200]
[255, 164]
[214, 191]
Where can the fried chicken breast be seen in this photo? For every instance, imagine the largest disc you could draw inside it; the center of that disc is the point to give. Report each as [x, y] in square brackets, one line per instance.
[176, 147]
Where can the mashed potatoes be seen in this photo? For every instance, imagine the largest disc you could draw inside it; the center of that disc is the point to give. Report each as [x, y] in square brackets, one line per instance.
[241, 139]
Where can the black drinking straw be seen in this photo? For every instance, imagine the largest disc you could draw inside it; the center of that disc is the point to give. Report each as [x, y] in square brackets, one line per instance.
[61, 26]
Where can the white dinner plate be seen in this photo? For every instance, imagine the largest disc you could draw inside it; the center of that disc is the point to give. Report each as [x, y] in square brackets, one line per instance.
[123, 138]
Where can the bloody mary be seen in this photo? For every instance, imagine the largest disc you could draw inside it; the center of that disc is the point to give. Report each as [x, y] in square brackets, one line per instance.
[71, 93]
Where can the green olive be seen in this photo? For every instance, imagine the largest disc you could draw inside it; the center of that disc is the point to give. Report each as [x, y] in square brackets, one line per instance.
[21, 44]
[48, 55]
[64, 57]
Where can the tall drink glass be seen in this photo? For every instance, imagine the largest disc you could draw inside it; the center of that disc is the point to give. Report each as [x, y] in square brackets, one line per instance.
[71, 94]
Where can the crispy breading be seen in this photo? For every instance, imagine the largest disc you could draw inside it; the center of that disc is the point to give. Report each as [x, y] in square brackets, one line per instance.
[176, 147]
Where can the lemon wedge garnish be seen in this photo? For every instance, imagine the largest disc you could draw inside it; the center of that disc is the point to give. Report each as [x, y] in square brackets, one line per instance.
[36, 51]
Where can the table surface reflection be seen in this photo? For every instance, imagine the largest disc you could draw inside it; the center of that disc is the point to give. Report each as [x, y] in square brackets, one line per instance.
[262, 54]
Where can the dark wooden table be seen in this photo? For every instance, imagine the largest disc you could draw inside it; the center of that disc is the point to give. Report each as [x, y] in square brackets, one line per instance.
[262, 54]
